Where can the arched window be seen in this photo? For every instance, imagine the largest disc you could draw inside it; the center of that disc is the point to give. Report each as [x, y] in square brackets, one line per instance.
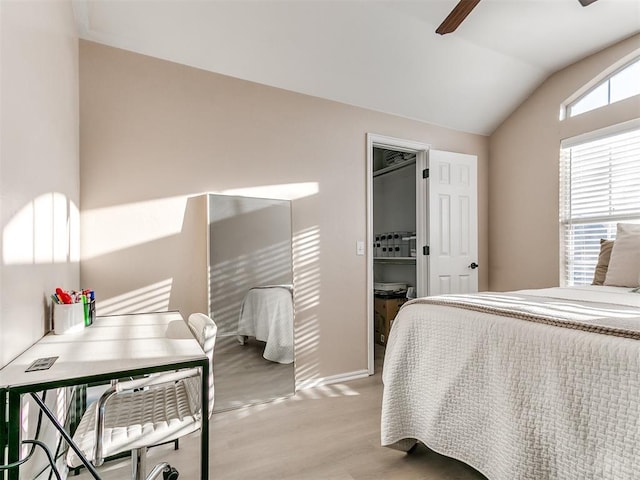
[622, 83]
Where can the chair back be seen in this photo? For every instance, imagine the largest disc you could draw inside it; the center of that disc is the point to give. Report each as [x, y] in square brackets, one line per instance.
[204, 329]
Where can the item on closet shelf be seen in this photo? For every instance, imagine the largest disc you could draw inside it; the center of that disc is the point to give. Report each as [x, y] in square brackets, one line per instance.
[402, 243]
[392, 157]
[410, 239]
[389, 288]
[395, 244]
[377, 247]
[393, 239]
[385, 310]
[383, 245]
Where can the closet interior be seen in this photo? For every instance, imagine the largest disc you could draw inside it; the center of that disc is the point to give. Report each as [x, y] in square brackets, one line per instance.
[394, 227]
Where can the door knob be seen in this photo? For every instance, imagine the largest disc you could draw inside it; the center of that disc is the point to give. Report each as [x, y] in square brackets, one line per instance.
[473, 266]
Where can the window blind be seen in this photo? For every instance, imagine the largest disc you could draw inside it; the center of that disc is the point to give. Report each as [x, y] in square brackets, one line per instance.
[600, 186]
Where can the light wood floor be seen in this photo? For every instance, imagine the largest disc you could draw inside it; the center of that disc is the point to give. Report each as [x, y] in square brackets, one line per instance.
[325, 433]
[243, 377]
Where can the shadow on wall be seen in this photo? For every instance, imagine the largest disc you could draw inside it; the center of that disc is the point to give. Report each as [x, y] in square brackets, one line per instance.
[152, 256]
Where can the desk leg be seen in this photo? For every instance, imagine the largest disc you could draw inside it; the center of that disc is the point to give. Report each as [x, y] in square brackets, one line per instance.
[65, 435]
[14, 435]
[204, 438]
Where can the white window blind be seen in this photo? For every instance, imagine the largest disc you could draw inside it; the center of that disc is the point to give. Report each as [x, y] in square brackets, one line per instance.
[600, 186]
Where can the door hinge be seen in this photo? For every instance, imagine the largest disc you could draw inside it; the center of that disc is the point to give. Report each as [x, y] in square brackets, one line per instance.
[425, 173]
[425, 250]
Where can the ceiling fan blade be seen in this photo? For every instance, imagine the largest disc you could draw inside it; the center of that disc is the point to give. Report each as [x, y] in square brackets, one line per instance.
[586, 3]
[458, 14]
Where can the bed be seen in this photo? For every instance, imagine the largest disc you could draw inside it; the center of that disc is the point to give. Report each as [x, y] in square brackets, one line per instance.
[533, 384]
[266, 313]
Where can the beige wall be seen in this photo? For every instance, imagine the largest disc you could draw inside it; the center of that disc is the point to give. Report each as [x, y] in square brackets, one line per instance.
[154, 133]
[39, 166]
[524, 175]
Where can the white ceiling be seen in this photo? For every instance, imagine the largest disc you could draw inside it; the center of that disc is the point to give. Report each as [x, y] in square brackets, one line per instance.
[382, 55]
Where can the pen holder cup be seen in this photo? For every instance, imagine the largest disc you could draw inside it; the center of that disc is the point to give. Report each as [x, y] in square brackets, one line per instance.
[68, 318]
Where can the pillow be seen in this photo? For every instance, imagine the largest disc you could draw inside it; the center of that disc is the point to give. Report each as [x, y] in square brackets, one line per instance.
[603, 262]
[624, 264]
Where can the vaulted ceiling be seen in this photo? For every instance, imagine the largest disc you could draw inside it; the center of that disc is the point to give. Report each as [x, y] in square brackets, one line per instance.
[382, 55]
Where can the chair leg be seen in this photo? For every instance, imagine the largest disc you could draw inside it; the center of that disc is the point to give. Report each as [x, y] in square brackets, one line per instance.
[167, 471]
[138, 463]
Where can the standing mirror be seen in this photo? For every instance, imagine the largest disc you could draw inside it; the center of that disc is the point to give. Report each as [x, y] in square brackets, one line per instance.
[251, 299]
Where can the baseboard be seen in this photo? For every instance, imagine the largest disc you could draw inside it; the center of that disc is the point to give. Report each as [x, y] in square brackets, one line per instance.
[340, 378]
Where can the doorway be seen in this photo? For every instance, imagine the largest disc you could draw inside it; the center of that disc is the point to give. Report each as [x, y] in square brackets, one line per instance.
[445, 252]
[391, 161]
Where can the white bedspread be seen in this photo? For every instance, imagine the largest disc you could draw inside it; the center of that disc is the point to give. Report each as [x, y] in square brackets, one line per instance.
[267, 315]
[518, 399]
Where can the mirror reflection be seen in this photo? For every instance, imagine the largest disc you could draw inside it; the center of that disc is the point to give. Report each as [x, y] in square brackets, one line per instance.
[251, 299]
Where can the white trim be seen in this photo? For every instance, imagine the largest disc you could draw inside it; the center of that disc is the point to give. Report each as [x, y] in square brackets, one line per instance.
[422, 225]
[207, 198]
[371, 138]
[340, 378]
[382, 141]
[400, 144]
[600, 133]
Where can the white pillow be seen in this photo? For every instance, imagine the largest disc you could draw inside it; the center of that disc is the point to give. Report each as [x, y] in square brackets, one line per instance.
[624, 265]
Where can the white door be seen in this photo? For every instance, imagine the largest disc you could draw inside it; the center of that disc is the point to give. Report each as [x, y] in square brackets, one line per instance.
[453, 223]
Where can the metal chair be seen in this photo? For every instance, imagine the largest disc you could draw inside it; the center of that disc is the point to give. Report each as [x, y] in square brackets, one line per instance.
[135, 414]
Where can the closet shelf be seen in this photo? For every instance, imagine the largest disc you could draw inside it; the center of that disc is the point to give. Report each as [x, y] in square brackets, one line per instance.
[394, 167]
[395, 260]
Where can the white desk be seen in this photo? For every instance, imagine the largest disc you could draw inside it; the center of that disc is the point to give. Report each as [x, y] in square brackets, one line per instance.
[113, 347]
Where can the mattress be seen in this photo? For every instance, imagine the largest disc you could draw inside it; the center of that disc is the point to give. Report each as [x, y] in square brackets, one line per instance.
[266, 313]
[516, 398]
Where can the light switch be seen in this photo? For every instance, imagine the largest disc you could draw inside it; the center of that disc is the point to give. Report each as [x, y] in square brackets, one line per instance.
[360, 247]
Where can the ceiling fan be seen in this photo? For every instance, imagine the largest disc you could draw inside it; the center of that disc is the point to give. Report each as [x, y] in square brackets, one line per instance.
[463, 8]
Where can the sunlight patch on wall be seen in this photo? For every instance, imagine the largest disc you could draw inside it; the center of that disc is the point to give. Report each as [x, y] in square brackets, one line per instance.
[110, 229]
[306, 279]
[143, 222]
[151, 298]
[45, 231]
[285, 191]
[306, 259]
